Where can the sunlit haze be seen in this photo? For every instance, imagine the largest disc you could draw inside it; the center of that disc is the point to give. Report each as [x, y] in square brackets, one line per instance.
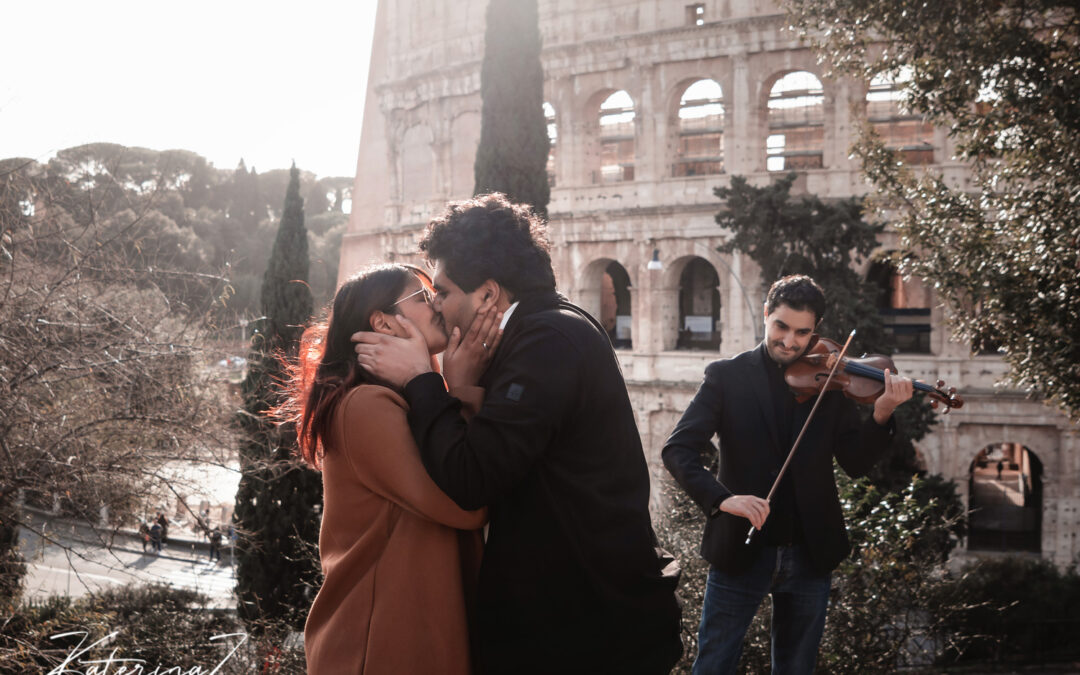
[269, 82]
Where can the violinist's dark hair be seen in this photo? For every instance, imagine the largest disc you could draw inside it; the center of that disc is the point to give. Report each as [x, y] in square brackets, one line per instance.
[798, 292]
[326, 367]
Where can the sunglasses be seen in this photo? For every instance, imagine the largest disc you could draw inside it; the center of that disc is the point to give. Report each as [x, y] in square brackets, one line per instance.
[423, 290]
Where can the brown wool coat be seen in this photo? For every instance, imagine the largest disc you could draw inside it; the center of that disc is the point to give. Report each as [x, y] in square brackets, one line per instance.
[399, 557]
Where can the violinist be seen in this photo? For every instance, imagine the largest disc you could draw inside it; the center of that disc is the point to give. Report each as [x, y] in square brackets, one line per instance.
[799, 536]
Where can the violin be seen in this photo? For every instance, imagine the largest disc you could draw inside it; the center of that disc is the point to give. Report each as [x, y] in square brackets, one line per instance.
[861, 379]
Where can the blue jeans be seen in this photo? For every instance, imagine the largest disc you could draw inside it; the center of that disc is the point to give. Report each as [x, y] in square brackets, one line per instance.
[800, 597]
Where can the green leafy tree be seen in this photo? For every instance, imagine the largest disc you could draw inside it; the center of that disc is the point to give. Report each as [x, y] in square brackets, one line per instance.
[198, 187]
[275, 503]
[325, 232]
[245, 204]
[513, 150]
[804, 235]
[1003, 253]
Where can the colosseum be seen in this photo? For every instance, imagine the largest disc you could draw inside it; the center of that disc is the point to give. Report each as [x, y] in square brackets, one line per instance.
[650, 105]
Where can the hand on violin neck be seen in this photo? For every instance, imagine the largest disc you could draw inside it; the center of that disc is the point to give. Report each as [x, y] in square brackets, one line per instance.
[898, 389]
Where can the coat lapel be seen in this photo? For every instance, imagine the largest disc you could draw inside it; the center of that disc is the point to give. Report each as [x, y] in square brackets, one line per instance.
[759, 383]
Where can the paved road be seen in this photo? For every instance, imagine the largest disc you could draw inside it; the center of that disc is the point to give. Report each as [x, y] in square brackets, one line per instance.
[63, 563]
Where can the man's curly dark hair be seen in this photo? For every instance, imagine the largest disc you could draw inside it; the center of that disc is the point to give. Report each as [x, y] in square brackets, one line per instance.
[798, 292]
[490, 237]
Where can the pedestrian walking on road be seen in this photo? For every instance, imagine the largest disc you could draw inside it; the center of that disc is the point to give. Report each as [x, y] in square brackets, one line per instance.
[155, 537]
[1000, 466]
[144, 534]
[215, 544]
[163, 522]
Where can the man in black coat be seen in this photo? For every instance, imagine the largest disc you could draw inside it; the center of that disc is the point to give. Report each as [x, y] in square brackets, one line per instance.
[801, 536]
[571, 581]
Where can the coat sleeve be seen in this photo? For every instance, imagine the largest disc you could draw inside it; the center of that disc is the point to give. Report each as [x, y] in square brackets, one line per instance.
[692, 439]
[527, 399]
[472, 399]
[859, 443]
[381, 450]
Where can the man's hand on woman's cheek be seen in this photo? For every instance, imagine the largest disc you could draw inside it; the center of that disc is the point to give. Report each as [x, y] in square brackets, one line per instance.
[395, 360]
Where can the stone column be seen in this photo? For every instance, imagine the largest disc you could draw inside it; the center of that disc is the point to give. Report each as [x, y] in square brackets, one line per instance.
[740, 119]
[646, 111]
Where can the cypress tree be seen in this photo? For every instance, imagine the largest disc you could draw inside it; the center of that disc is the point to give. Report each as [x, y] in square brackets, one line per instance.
[277, 569]
[513, 150]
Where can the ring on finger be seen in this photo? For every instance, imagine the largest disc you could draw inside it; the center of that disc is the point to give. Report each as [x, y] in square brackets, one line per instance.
[484, 345]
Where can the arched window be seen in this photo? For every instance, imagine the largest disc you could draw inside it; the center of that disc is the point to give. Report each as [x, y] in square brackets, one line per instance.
[699, 306]
[912, 136]
[616, 139]
[553, 135]
[796, 123]
[615, 305]
[1005, 499]
[700, 148]
[904, 306]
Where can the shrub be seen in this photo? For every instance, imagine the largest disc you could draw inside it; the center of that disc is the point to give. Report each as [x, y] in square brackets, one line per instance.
[157, 625]
[1010, 609]
[879, 613]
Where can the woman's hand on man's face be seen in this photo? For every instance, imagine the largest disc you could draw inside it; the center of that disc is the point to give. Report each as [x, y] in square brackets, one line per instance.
[466, 357]
[393, 359]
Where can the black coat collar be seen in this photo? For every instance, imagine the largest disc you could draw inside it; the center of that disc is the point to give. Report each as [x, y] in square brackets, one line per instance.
[530, 303]
[758, 378]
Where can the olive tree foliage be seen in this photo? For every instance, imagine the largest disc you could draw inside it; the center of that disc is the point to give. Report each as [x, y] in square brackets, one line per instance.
[1003, 253]
[102, 381]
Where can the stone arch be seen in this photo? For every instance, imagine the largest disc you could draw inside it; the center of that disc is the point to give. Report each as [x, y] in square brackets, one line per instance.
[551, 118]
[697, 128]
[696, 285]
[794, 116]
[464, 139]
[417, 160]
[907, 133]
[611, 122]
[904, 305]
[1005, 499]
[605, 292]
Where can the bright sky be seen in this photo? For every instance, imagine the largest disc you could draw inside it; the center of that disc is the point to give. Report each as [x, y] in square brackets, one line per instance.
[266, 81]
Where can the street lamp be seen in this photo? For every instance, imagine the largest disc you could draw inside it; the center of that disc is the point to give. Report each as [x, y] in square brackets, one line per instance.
[655, 263]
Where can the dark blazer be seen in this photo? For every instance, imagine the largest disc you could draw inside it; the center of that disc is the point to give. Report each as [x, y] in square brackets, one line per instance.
[571, 581]
[734, 403]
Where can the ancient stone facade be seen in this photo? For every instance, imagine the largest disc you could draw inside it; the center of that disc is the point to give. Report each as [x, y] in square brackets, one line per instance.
[652, 104]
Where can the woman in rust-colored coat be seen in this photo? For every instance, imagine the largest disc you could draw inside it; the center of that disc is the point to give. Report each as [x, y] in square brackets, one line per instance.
[399, 557]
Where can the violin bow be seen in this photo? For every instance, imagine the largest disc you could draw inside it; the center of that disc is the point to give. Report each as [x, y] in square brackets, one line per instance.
[802, 432]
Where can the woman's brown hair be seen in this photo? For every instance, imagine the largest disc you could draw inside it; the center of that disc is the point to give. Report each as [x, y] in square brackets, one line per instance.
[326, 368]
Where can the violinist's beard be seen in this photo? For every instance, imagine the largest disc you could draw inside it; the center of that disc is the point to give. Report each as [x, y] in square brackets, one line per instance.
[781, 356]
